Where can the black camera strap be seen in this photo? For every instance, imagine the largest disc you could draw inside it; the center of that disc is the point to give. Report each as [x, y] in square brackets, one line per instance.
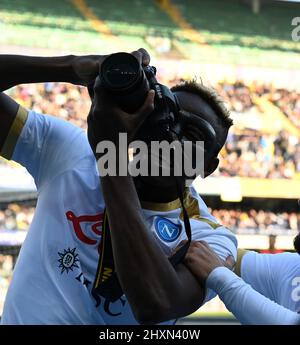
[106, 282]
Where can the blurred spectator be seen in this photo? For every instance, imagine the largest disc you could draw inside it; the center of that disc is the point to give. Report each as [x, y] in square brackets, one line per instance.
[16, 217]
[272, 246]
[6, 267]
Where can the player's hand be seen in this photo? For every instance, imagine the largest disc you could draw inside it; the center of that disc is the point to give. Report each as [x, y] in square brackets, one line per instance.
[106, 120]
[86, 68]
[202, 260]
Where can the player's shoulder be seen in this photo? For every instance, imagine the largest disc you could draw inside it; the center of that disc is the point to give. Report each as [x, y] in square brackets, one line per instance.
[204, 223]
[51, 122]
[60, 138]
[286, 259]
[45, 122]
[58, 128]
[198, 210]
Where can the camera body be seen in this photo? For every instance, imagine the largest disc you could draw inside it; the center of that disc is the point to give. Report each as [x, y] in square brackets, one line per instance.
[123, 76]
[128, 81]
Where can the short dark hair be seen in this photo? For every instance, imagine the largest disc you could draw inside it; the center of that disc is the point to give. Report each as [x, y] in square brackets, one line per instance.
[209, 95]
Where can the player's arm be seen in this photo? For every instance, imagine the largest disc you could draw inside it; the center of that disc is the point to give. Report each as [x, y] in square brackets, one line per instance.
[259, 270]
[155, 290]
[8, 112]
[81, 70]
[247, 305]
[17, 69]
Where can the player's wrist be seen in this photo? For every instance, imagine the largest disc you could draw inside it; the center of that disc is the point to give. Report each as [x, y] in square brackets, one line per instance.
[63, 67]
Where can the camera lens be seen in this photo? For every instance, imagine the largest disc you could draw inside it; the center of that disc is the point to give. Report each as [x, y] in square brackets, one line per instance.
[123, 76]
[120, 71]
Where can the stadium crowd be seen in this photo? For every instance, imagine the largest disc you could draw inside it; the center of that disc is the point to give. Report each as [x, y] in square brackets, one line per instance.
[239, 97]
[289, 103]
[69, 102]
[257, 221]
[19, 217]
[255, 154]
[260, 155]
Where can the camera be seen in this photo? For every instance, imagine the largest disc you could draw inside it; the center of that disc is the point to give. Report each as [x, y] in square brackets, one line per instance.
[122, 76]
[128, 81]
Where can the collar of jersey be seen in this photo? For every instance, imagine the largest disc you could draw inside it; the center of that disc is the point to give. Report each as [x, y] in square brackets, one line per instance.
[161, 206]
[168, 206]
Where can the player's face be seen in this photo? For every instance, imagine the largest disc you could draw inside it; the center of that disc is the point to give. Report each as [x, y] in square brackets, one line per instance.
[194, 104]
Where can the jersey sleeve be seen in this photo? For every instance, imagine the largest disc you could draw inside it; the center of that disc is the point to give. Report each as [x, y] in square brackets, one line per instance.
[258, 271]
[206, 228]
[276, 276]
[247, 305]
[222, 242]
[45, 145]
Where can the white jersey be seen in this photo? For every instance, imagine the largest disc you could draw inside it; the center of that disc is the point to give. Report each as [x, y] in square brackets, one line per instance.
[276, 276]
[56, 268]
[246, 304]
[268, 294]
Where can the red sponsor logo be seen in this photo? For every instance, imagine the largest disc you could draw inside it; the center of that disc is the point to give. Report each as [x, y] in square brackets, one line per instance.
[77, 222]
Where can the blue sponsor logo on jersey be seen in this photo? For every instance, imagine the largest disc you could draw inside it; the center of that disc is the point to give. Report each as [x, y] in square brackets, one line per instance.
[166, 230]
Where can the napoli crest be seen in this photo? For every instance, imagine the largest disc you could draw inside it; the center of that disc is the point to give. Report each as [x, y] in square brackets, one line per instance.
[166, 230]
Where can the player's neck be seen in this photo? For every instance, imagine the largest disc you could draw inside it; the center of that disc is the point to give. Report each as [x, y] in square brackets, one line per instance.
[159, 194]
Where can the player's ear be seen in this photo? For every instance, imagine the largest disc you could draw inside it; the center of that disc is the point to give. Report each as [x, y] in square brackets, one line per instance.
[211, 166]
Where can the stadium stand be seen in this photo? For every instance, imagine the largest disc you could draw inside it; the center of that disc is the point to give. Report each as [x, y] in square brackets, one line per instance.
[240, 39]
